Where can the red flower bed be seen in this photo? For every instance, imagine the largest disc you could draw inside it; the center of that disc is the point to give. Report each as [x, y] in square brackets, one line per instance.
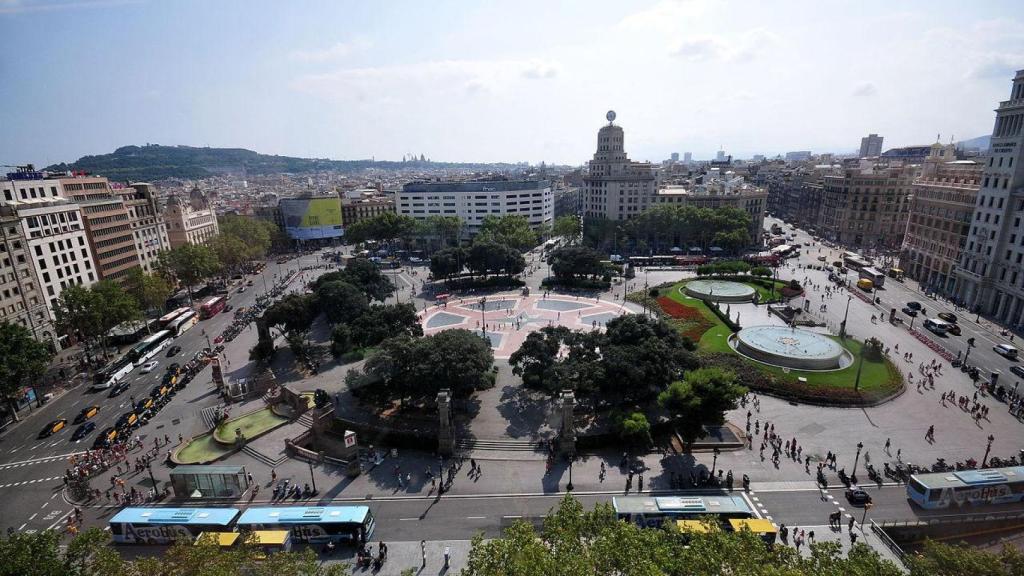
[691, 322]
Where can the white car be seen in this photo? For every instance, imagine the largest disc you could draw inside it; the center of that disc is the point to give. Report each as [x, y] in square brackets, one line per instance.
[1006, 350]
[148, 367]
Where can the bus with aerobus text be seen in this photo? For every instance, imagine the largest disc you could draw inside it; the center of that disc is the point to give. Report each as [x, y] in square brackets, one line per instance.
[967, 487]
[313, 525]
[173, 315]
[168, 525]
[654, 511]
[148, 347]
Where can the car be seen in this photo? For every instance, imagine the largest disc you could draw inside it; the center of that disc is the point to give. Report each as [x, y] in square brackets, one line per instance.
[86, 413]
[822, 258]
[148, 367]
[914, 305]
[229, 308]
[1005, 350]
[1018, 370]
[119, 388]
[174, 367]
[249, 283]
[241, 289]
[953, 329]
[948, 317]
[104, 438]
[909, 311]
[53, 427]
[173, 351]
[127, 421]
[857, 497]
[103, 384]
[83, 431]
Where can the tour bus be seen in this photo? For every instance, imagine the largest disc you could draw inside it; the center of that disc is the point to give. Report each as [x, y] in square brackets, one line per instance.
[149, 347]
[854, 262]
[173, 315]
[653, 511]
[873, 274]
[967, 487]
[782, 250]
[168, 525]
[112, 373]
[183, 322]
[211, 307]
[313, 525]
[936, 325]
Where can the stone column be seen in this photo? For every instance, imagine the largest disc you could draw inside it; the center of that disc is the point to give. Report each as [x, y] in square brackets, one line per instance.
[445, 430]
[567, 434]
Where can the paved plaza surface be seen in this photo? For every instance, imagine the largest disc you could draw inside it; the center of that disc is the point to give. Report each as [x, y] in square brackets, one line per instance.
[510, 486]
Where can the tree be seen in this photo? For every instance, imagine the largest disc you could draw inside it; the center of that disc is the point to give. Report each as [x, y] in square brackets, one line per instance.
[149, 290]
[380, 322]
[232, 252]
[341, 301]
[937, 559]
[92, 312]
[22, 359]
[568, 228]
[384, 227]
[367, 277]
[447, 261]
[189, 264]
[635, 430]
[255, 235]
[555, 358]
[115, 305]
[341, 340]
[296, 312]
[570, 263]
[701, 399]
[510, 230]
[486, 257]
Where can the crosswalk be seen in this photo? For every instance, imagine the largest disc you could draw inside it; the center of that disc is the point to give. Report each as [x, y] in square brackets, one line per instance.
[24, 482]
[38, 461]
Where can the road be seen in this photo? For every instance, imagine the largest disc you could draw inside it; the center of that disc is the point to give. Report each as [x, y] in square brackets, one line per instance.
[31, 469]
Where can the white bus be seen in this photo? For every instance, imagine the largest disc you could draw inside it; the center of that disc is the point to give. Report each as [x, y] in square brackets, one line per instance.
[173, 315]
[873, 274]
[935, 325]
[182, 323]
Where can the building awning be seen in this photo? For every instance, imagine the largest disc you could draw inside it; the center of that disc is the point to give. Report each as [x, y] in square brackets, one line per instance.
[755, 525]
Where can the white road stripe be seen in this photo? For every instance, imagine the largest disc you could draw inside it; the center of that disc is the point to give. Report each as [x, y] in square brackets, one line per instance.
[406, 519]
[32, 517]
[475, 517]
[511, 516]
[22, 527]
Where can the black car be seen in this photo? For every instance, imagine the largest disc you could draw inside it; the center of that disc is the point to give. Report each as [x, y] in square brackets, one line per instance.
[53, 427]
[914, 305]
[1018, 370]
[953, 329]
[173, 351]
[857, 497]
[119, 388]
[83, 430]
[948, 317]
[174, 367]
[104, 438]
[910, 311]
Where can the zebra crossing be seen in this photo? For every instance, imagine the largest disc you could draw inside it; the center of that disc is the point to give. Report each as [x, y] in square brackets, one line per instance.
[24, 482]
[38, 461]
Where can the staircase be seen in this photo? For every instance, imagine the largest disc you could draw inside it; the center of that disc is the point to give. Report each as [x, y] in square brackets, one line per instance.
[306, 420]
[269, 461]
[209, 416]
[499, 449]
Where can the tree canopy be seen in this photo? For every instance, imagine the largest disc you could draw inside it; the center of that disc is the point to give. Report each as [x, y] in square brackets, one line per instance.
[22, 359]
[381, 228]
[488, 257]
[380, 322]
[150, 291]
[447, 262]
[511, 230]
[91, 312]
[189, 264]
[568, 228]
[573, 262]
[364, 275]
[659, 229]
[340, 301]
[296, 312]
[701, 399]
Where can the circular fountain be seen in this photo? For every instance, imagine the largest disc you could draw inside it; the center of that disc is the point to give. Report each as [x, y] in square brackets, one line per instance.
[719, 291]
[791, 348]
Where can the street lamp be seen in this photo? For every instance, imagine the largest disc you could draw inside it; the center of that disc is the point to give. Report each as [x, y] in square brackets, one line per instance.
[970, 344]
[842, 327]
[569, 487]
[714, 461]
[987, 449]
[853, 476]
[149, 467]
[311, 477]
[483, 315]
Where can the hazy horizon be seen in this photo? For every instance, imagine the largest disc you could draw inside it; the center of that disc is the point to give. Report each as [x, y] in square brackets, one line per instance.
[492, 83]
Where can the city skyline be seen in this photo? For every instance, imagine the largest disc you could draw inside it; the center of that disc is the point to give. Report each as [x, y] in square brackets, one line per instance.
[486, 84]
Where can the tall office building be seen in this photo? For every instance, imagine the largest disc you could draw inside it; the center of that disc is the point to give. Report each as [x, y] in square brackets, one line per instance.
[22, 301]
[675, 156]
[106, 223]
[147, 223]
[991, 270]
[616, 187]
[867, 207]
[871, 146]
[687, 157]
[472, 201]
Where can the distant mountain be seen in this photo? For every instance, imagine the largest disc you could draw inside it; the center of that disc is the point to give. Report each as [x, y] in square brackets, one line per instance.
[156, 162]
[981, 143]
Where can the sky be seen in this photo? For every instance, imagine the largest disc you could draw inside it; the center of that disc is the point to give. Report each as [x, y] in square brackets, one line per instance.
[513, 81]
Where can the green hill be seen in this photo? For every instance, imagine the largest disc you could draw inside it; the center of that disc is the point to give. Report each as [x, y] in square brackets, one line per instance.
[156, 162]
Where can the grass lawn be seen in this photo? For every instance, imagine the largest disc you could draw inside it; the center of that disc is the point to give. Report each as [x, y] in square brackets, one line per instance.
[202, 449]
[877, 376]
[252, 424]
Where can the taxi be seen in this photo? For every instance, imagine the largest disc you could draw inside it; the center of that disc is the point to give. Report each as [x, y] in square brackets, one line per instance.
[105, 438]
[53, 427]
[87, 413]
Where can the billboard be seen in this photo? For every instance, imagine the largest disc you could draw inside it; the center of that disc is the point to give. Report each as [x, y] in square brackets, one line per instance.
[312, 218]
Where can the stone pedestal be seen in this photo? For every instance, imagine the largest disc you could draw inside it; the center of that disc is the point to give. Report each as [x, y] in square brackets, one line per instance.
[445, 429]
[567, 432]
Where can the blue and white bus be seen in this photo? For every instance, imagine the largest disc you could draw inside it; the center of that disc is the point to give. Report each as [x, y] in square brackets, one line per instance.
[314, 525]
[653, 511]
[168, 525]
[967, 487]
[149, 347]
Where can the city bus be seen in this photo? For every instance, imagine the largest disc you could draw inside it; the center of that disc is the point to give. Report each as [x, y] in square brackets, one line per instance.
[873, 274]
[112, 373]
[653, 511]
[183, 322]
[173, 315]
[168, 525]
[854, 262]
[967, 487]
[211, 307]
[313, 525]
[148, 348]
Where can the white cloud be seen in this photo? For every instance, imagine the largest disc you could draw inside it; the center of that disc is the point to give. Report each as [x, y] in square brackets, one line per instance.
[995, 66]
[865, 90]
[700, 49]
[337, 51]
[741, 47]
[539, 70]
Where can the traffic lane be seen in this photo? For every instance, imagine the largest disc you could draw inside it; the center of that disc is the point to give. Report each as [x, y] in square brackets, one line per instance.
[36, 509]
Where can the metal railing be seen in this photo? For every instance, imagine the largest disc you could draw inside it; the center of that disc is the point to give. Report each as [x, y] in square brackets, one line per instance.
[889, 542]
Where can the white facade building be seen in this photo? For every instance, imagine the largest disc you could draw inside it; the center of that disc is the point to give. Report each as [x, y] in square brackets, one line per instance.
[473, 201]
[147, 221]
[991, 270]
[616, 187]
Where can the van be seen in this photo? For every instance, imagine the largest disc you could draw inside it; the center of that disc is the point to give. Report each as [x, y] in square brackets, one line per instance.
[1006, 350]
[865, 284]
[937, 326]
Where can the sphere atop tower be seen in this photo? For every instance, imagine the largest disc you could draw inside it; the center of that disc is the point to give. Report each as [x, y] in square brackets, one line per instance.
[610, 115]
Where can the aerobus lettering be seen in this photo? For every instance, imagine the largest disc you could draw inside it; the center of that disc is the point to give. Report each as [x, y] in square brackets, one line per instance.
[979, 495]
[156, 534]
[309, 532]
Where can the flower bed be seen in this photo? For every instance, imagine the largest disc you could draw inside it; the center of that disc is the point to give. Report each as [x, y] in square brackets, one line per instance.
[689, 321]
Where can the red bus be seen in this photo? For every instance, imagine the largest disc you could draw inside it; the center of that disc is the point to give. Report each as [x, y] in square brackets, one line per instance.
[211, 307]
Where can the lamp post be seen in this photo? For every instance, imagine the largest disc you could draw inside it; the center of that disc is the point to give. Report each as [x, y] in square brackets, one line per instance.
[311, 477]
[987, 449]
[483, 315]
[714, 461]
[842, 327]
[970, 344]
[569, 487]
[853, 476]
[149, 467]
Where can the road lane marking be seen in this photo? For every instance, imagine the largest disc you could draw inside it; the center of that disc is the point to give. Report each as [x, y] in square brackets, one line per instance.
[22, 527]
[511, 516]
[475, 517]
[406, 519]
[33, 516]
[45, 504]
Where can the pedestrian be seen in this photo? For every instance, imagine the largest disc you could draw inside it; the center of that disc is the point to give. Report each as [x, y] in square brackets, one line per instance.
[851, 523]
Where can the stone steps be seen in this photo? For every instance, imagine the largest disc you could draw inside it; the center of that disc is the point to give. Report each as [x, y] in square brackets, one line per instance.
[249, 450]
[498, 444]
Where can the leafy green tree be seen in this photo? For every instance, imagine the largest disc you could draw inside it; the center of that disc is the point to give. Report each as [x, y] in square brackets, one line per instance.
[555, 358]
[937, 559]
[150, 291]
[189, 264]
[368, 278]
[635, 430]
[22, 359]
[380, 322]
[573, 262]
[568, 228]
[487, 257]
[447, 261]
[116, 305]
[510, 230]
[341, 340]
[255, 235]
[78, 312]
[384, 227]
[232, 252]
[341, 301]
[296, 312]
[701, 399]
